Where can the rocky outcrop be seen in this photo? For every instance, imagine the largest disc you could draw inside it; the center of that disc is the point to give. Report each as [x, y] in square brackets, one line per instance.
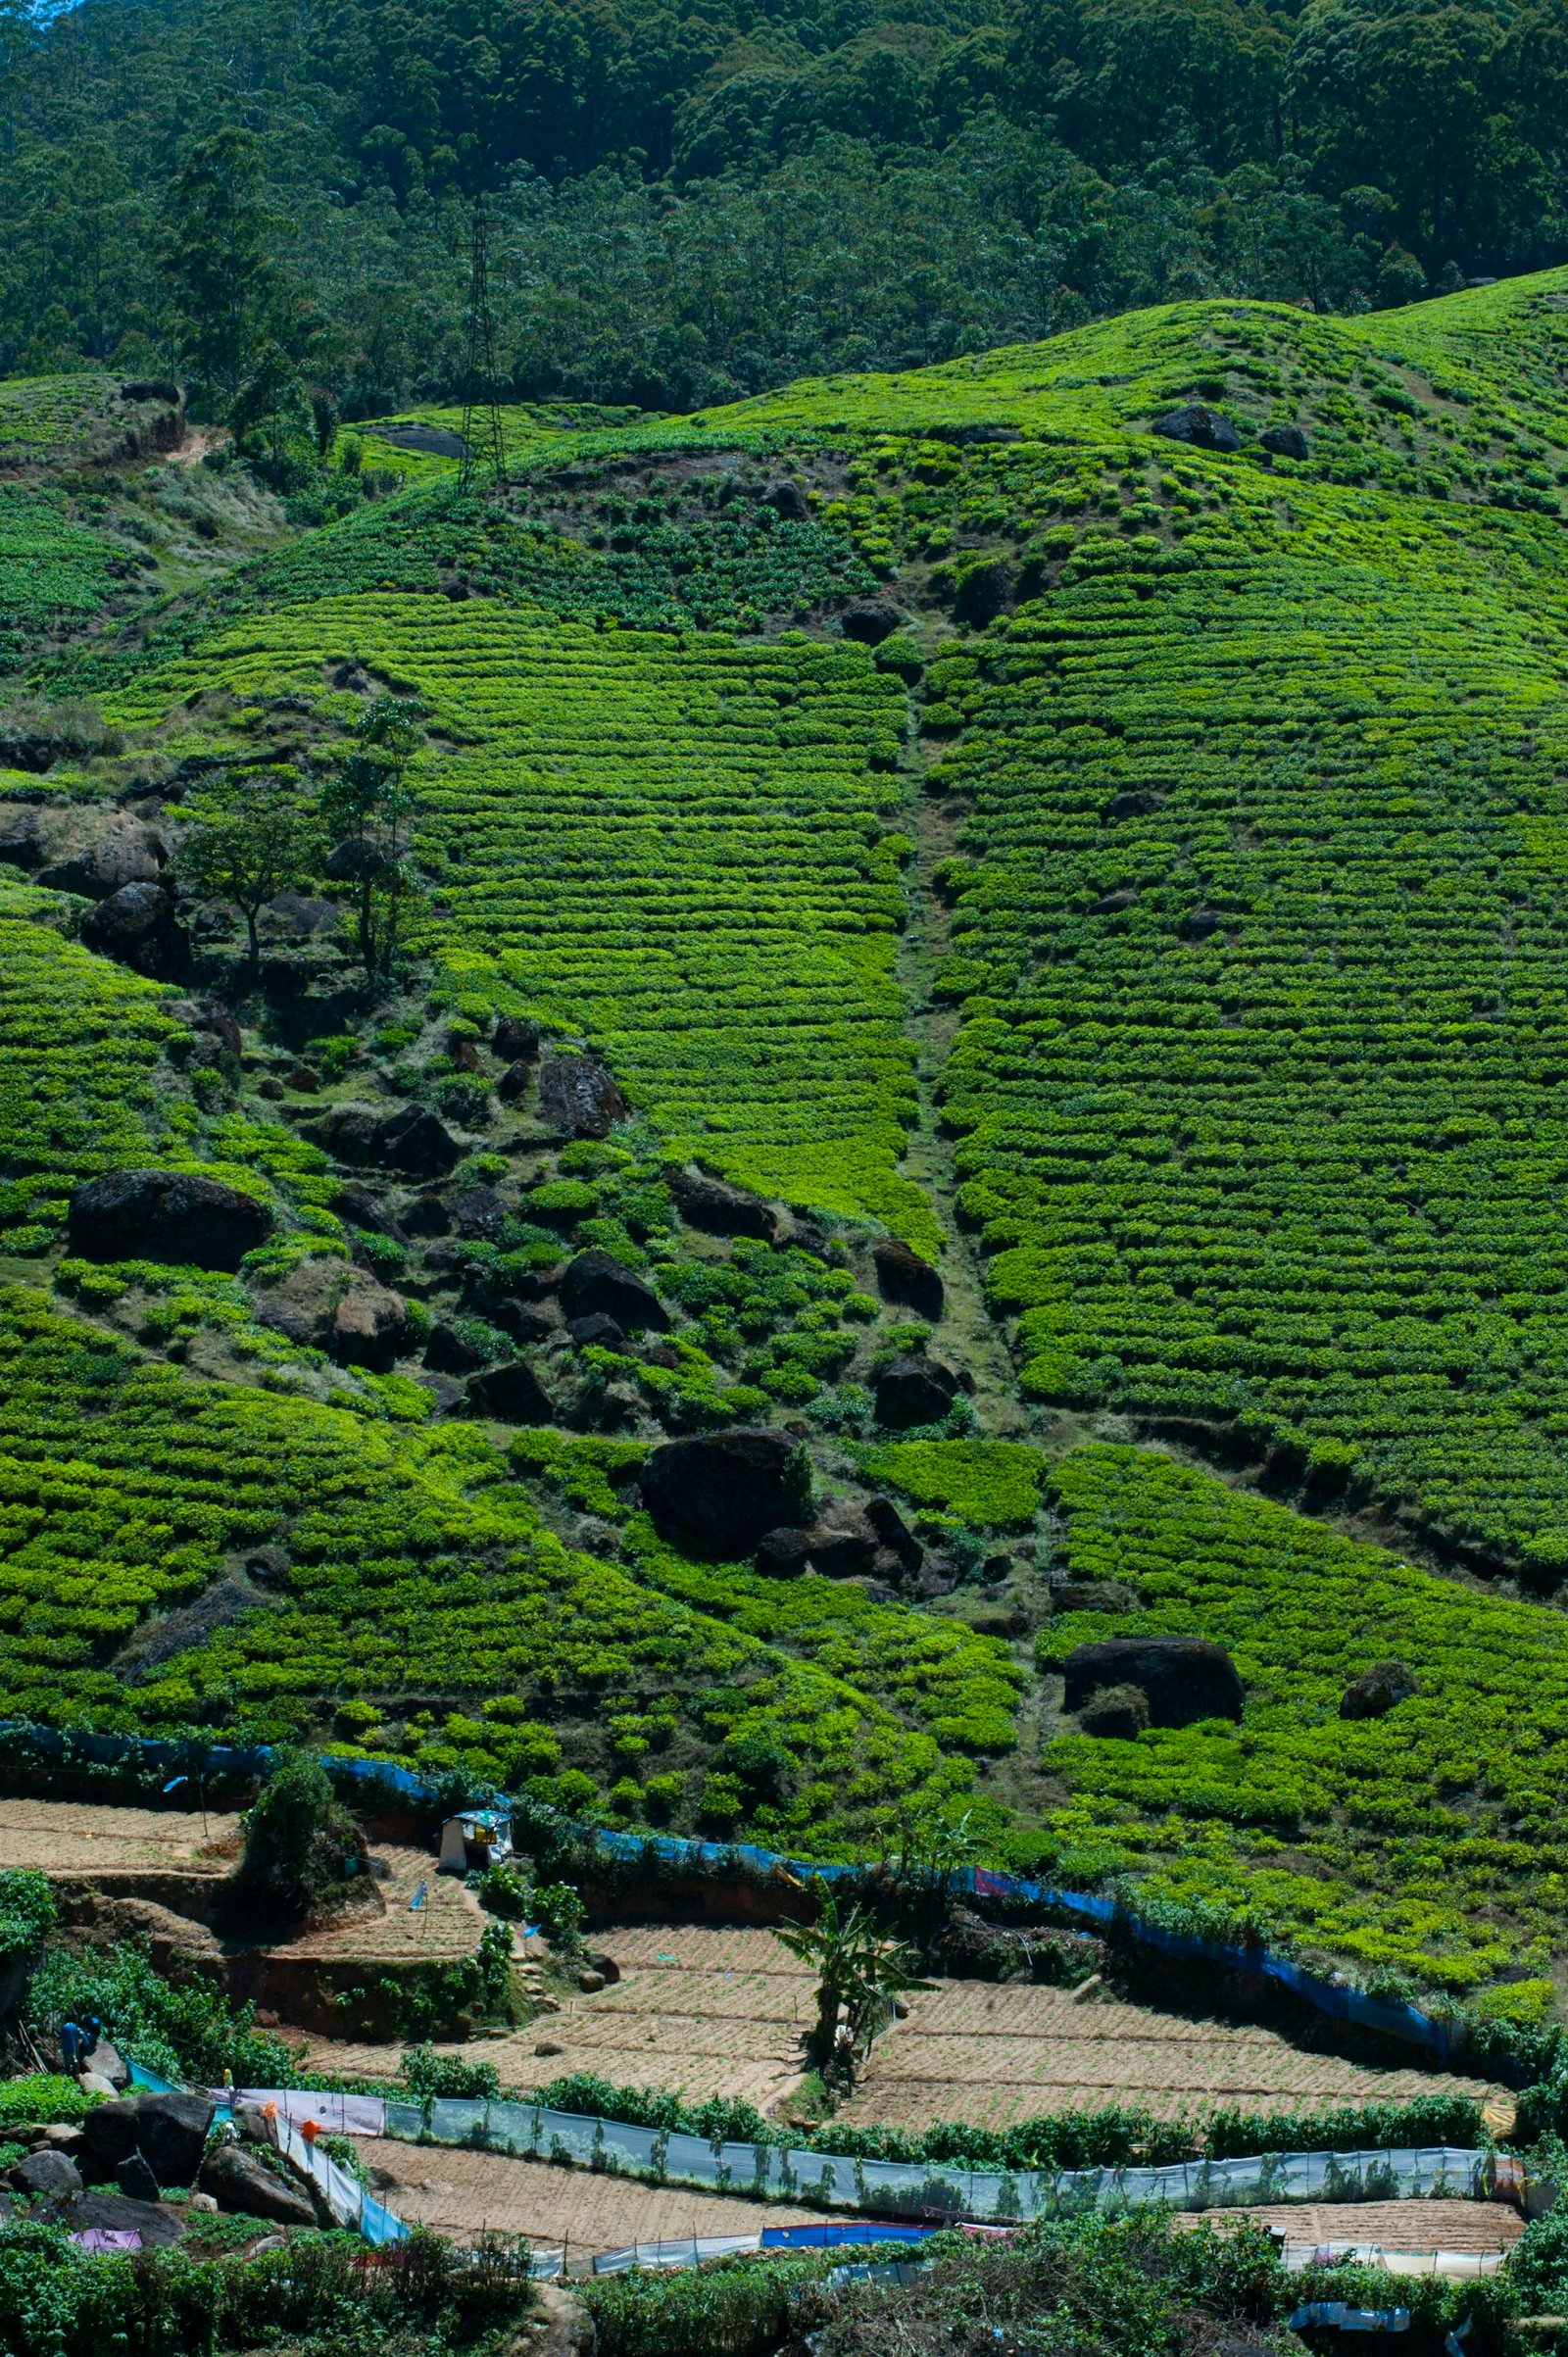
[170, 1215]
[1116, 1710]
[240, 2183]
[512, 1395]
[870, 621]
[578, 1097]
[169, 2131]
[723, 1490]
[328, 1305]
[1183, 1679]
[138, 927]
[596, 1284]
[1204, 428]
[100, 853]
[902, 1276]
[1285, 442]
[914, 1391]
[516, 1040]
[787, 501]
[413, 1140]
[714, 1205]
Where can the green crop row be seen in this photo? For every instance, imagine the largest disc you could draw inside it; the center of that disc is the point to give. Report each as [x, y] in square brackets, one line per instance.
[1426, 1844]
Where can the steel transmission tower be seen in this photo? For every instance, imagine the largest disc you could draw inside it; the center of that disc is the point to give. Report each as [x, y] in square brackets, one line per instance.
[484, 450]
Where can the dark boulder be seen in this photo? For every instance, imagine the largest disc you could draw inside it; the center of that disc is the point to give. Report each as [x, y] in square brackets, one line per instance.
[113, 2214]
[428, 1215]
[298, 917]
[1285, 442]
[726, 1489]
[22, 836]
[871, 622]
[578, 1096]
[1137, 802]
[169, 2130]
[478, 1213]
[1111, 904]
[448, 1352]
[138, 927]
[1378, 1690]
[212, 1021]
[514, 1082]
[1204, 428]
[1199, 923]
[347, 1133]
[1183, 1678]
[134, 2177]
[902, 1276]
[170, 1215]
[47, 2172]
[516, 1040]
[367, 1210]
[724, 1210]
[914, 1391]
[414, 1141]
[787, 501]
[984, 592]
[894, 1534]
[1116, 1710]
[522, 1325]
[783, 1553]
[239, 2182]
[595, 1283]
[369, 1324]
[597, 1331]
[512, 1395]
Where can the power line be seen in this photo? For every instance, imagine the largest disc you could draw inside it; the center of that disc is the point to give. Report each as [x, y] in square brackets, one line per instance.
[484, 449]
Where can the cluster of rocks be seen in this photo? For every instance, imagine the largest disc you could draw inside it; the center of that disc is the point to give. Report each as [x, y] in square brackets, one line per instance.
[146, 2147]
[118, 858]
[1205, 428]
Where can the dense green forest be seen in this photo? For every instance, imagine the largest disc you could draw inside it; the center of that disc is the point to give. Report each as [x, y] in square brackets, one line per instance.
[704, 198]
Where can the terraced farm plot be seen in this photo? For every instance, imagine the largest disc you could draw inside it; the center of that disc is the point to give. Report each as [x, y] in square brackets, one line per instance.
[79, 1837]
[1473, 2227]
[991, 2055]
[446, 1922]
[670, 842]
[465, 2194]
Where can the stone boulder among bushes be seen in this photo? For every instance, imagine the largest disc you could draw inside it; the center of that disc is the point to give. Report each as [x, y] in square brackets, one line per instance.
[1378, 1690]
[167, 2130]
[1183, 1679]
[597, 1284]
[723, 1490]
[138, 927]
[240, 2183]
[171, 1215]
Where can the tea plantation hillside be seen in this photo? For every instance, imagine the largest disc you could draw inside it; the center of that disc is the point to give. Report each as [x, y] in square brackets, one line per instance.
[1032, 944]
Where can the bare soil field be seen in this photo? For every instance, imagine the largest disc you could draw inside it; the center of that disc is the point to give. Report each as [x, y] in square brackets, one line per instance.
[992, 2054]
[705, 2012]
[68, 1836]
[466, 2193]
[1463, 2226]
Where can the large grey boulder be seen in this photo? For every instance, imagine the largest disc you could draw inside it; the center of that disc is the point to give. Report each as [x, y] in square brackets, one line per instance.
[1183, 1678]
[578, 1096]
[169, 2131]
[713, 1203]
[44, 2172]
[914, 1391]
[1204, 428]
[237, 2181]
[171, 1215]
[138, 927]
[902, 1275]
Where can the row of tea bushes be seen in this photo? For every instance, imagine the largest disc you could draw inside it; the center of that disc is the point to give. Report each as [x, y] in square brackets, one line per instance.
[1258, 930]
[1426, 1844]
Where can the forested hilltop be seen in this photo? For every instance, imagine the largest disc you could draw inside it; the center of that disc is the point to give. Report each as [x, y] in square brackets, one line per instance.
[704, 198]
